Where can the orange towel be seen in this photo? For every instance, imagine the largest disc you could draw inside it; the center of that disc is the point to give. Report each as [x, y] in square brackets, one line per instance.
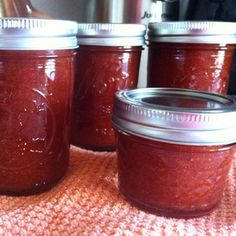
[87, 202]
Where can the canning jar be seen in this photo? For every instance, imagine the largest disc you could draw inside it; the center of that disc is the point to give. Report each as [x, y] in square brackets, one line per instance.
[36, 76]
[193, 55]
[175, 148]
[108, 60]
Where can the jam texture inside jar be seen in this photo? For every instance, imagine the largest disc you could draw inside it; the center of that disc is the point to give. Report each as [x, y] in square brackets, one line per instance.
[104, 65]
[172, 180]
[101, 72]
[35, 105]
[200, 55]
[174, 158]
[193, 66]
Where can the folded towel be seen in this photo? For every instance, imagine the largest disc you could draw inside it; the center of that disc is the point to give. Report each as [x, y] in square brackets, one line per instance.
[87, 202]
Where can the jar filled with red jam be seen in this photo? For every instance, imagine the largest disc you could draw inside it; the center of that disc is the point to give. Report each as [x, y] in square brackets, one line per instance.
[193, 55]
[175, 148]
[36, 76]
[108, 60]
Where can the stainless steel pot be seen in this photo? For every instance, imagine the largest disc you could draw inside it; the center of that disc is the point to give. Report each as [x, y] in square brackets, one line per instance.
[128, 11]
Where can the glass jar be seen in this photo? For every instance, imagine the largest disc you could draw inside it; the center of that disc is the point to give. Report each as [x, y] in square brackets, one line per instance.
[175, 148]
[36, 76]
[108, 60]
[192, 55]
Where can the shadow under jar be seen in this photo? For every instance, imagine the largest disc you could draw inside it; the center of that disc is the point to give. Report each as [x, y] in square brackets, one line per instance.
[36, 77]
[193, 55]
[108, 60]
[175, 148]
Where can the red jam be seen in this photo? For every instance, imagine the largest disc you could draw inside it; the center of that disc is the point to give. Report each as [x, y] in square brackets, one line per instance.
[172, 180]
[174, 148]
[100, 72]
[189, 65]
[35, 102]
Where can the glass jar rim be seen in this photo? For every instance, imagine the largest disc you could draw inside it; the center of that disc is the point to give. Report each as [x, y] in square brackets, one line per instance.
[182, 116]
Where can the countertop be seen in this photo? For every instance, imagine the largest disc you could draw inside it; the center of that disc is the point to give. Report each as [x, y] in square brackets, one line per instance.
[87, 202]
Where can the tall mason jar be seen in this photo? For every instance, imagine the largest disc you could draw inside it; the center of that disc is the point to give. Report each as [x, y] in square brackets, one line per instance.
[36, 76]
[108, 60]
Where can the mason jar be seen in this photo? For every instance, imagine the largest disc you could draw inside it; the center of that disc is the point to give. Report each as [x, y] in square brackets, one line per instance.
[108, 60]
[36, 77]
[175, 148]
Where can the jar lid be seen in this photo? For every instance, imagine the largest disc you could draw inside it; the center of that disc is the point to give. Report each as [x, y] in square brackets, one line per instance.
[37, 34]
[180, 116]
[193, 32]
[113, 34]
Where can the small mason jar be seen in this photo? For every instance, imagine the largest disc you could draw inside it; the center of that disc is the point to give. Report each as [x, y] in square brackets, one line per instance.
[108, 60]
[175, 148]
[36, 76]
[193, 55]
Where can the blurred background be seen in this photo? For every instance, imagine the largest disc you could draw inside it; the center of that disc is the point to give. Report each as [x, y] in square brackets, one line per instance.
[182, 9]
[104, 10]
[139, 11]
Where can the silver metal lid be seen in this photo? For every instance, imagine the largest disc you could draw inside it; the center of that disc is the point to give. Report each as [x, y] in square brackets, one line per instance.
[113, 34]
[37, 34]
[179, 116]
[193, 32]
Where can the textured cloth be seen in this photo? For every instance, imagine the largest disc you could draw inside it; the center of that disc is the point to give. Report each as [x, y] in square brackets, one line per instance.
[87, 202]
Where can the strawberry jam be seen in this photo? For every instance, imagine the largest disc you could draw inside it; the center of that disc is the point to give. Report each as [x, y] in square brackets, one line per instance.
[175, 148]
